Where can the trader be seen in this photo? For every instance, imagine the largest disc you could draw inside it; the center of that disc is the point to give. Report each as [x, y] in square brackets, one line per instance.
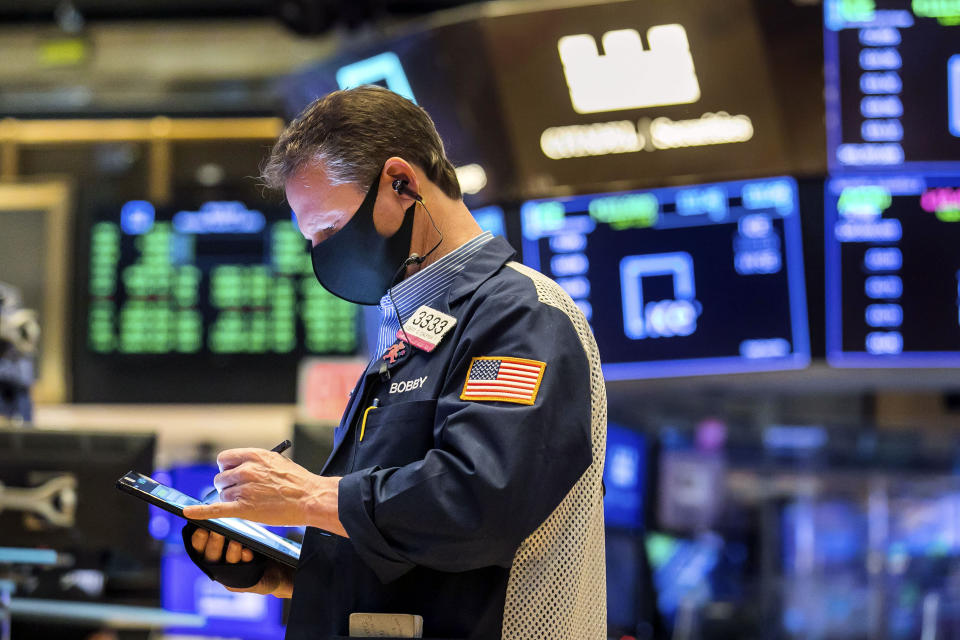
[465, 481]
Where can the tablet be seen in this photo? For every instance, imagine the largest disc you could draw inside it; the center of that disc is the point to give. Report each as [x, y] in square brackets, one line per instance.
[250, 534]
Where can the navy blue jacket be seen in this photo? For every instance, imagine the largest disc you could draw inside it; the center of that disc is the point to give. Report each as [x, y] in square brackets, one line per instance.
[442, 492]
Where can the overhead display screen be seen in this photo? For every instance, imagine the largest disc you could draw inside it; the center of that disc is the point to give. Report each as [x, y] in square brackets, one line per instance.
[680, 281]
[893, 270]
[202, 292]
[427, 67]
[636, 91]
[893, 84]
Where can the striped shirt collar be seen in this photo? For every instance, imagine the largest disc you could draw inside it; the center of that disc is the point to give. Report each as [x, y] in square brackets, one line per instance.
[424, 287]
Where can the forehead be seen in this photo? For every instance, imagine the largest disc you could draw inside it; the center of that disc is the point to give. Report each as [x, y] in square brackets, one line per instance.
[317, 203]
[307, 183]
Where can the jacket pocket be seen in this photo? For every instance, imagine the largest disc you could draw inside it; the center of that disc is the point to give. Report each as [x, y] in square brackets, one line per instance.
[397, 434]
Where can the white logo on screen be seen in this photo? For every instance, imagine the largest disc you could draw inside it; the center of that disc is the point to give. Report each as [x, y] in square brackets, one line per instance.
[660, 318]
[628, 76]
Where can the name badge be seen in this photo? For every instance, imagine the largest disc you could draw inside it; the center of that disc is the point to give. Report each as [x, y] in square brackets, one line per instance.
[426, 328]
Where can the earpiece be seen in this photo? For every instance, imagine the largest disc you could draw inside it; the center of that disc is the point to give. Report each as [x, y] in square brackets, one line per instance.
[414, 259]
[400, 186]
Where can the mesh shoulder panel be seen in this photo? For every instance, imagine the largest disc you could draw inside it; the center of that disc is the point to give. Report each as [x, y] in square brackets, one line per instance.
[557, 585]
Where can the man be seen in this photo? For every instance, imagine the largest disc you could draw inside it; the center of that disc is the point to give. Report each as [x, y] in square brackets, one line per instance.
[465, 482]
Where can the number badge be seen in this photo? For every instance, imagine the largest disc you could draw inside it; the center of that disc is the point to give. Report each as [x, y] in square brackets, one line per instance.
[426, 328]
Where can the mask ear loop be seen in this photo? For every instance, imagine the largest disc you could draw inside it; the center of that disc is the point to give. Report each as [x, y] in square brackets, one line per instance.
[420, 259]
[413, 259]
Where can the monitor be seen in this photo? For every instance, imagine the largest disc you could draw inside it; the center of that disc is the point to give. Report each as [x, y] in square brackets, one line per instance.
[490, 218]
[923, 519]
[692, 491]
[822, 536]
[707, 580]
[212, 301]
[923, 553]
[682, 569]
[625, 477]
[827, 546]
[824, 549]
[634, 93]
[892, 270]
[104, 520]
[680, 281]
[893, 84]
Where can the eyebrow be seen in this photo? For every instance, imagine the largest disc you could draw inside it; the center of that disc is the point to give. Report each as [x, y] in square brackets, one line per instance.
[313, 226]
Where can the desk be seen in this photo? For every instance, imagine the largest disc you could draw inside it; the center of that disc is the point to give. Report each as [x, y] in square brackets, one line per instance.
[10, 556]
[104, 615]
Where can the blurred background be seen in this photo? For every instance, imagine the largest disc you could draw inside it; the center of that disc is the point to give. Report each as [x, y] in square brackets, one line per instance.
[752, 201]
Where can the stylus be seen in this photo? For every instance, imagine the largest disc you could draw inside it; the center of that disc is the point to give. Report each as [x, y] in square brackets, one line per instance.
[283, 446]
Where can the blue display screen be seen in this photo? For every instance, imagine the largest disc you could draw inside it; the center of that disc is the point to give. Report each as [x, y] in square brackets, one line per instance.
[893, 272]
[893, 84]
[186, 589]
[490, 219]
[823, 536]
[685, 570]
[680, 281]
[925, 525]
[828, 546]
[624, 475]
[824, 546]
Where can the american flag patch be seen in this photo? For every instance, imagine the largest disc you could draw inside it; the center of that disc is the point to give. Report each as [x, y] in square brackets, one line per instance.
[504, 379]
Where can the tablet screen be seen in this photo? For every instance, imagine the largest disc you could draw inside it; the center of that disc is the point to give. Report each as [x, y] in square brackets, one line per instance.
[242, 527]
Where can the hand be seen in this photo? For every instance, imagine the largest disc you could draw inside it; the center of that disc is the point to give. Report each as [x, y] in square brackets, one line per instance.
[266, 487]
[276, 581]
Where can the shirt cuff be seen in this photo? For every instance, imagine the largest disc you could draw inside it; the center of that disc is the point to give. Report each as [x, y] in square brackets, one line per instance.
[356, 506]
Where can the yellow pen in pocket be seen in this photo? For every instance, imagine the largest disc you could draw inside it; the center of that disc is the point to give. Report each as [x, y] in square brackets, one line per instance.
[363, 424]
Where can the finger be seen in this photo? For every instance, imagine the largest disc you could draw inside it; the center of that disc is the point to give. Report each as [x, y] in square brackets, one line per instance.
[230, 458]
[216, 510]
[231, 493]
[233, 552]
[214, 548]
[199, 539]
[232, 476]
[246, 555]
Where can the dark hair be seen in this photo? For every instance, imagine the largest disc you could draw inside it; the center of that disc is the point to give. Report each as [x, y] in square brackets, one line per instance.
[352, 132]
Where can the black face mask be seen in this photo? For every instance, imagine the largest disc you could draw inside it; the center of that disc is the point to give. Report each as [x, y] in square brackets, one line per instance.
[357, 263]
